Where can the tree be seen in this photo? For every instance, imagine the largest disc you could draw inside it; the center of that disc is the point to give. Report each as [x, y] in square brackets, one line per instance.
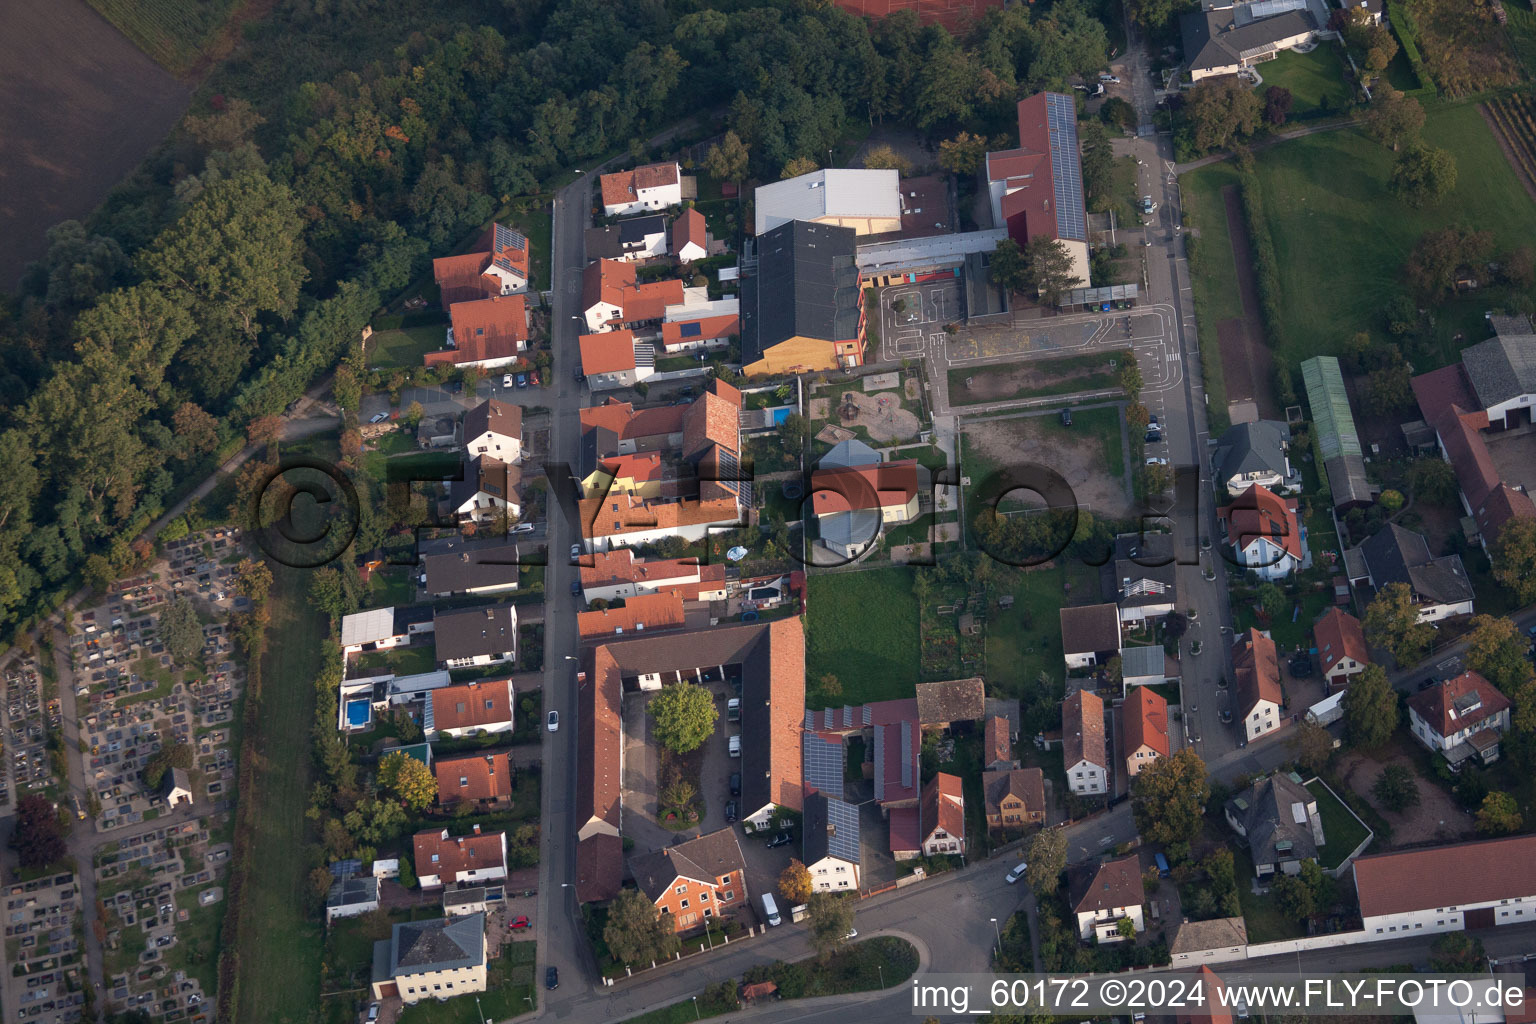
[1392, 621]
[1439, 257]
[1277, 105]
[1396, 789]
[1126, 928]
[1393, 118]
[1175, 625]
[1514, 558]
[1433, 480]
[830, 916]
[1496, 651]
[1098, 165]
[1390, 500]
[635, 932]
[411, 418]
[1388, 390]
[1168, 798]
[962, 154]
[1272, 600]
[1422, 175]
[182, 631]
[1313, 745]
[1219, 112]
[1154, 14]
[197, 430]
[347, 388]
[38, 838]
[1010, 270]
[830, 686]
[1458, 953]
[1130, 379]
[793, 432]
[1047, 859]
[795, 883]
[684, 715]
[253, 580]
[884, 158]
[1137, 417]
[1370, 709]
[679, 794]
[170, 755]
[1499, 815]
[408, 780]
[727, 159]
[1156, 479]
[1222, 869]
[1518, 267]
[1050, 268]
[1293, 897]
[798, 166]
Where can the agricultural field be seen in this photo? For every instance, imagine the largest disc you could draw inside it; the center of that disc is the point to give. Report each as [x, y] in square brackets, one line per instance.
[1514, 118]
[172, 32]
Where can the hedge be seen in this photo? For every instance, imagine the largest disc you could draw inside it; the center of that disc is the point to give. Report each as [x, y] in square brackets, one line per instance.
[1266, 270]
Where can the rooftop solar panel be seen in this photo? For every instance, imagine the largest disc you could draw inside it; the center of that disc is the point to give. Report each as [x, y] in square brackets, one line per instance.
[843, 830]
[1066, 170]
[690, 330]
[823, 764]
[906, 755]
[879, 764]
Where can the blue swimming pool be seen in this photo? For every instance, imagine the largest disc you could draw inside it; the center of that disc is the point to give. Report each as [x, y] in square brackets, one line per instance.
[358, 713]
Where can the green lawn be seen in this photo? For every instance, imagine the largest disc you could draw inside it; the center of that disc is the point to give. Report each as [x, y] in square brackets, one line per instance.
[1312, 78]
[1261, 915]
[509, 993]
[1340, 238]
[1342, 831]
[402, 661]
[197, 940]
[1025, 640]
[530, 216]
[405, 346]
[1213, 273]
[1282, 630]
[281, 940]
[863, 629]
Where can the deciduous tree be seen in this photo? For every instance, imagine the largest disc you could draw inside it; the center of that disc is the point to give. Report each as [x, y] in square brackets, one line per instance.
[1277, 105]
[1392, 621]
[684, 716]
[1514, 558]
[1047, 859]
[1396, 788]
[1499, 815]
[182, 631]
[1496, 651]
[883, 157]
[635, 932]
[38, 838]
[1423, 175]
[1440, 256]
[727, 159]
[1168, 798]
[963, 153]
[408, 780]
[1221, 112]
[830, 916]
[1392, 118]
[795, 883]
[1370, 709]
[1050, 268]
[798, 166]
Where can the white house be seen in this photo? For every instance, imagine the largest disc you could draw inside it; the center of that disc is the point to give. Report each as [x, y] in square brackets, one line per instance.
[690, 236]
[831, 843]
[490, 487]
[630, 240]
[1468, 886]
[1460, 718]
[1502, 372]
[1106, 894]
[1340, 646]
[176, 788]
[379, 629]
[1264, 532]
[615, 521]
[1439, 587]
[1255, 453]
[436, 959]
[1256, 694]
[476, 636]
[618, 574]
[494, 428]
[651, 187]
[1082, 743]
[943, 816]
[468, 709]
[445, 860]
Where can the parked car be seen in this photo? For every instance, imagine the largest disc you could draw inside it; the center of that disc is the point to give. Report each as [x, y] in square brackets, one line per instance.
[1152, 437]
[1016, 873]
[553, 720]
[506, 380]
[1147, 205]
[734, 746]
[1151, 420]
[1066, 417]
[576, 588]
[782, 839]
[523, 528]
[1110, 79]
[735, 783]
[522, 380]
[1153, 460]
[373, 1012]
[378, 417]
[520, 923]
[552, 978]
[730, 812]
[1226, 715]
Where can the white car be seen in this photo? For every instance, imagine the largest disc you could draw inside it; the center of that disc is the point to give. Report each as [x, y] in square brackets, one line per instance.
[575, 551]
[853, 933]
[506, 380]
[378, 417]
[1017, 872]
[553, 719]
[1155, 461]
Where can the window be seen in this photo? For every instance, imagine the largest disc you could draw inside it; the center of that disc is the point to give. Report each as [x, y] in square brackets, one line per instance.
[843, 883]
[683, 905]
[727, 896]
[489, 705]
[1418, 926]
[703, 897]
[667, 910]
[708, 912]
[463, 781]
[725, 879]
[680, 890]
[483, 449]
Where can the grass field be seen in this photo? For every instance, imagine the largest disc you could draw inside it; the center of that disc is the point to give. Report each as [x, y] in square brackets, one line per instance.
[1313, 78]
[1342, 831]
[1341, 239]
[1261, 914]
[281, 942]
[406, 346]
[172, 32]
[1025, 640]
[863, 629]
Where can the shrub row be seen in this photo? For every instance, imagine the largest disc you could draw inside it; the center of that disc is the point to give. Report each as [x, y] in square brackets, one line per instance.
[1266, 271]
[1408, 35]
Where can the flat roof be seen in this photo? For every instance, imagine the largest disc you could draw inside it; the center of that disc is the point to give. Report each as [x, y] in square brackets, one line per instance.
[923, 252]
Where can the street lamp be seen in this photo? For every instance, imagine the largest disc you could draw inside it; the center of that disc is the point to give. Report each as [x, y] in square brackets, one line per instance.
[696, 1009]
[999, 937]
[881, 970]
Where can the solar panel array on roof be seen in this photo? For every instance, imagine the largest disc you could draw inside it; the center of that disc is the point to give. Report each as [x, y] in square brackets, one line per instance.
[1061, 122]
[906, 755]
[504, 239]
[691, 329]
[823, 764]
[879, 760]
[843, 830]
[344, 868]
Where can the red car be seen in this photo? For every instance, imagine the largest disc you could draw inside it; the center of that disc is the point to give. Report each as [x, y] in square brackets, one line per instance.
[520, 922]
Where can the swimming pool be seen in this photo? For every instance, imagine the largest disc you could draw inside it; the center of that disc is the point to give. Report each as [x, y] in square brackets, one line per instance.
[359, 713]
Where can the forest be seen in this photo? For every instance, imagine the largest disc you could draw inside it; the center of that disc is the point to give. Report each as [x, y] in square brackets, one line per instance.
[344, 144]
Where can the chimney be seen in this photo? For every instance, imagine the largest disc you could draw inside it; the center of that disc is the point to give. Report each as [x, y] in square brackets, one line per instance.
[477, 830]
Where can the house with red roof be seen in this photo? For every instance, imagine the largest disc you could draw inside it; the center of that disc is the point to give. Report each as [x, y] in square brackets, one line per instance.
[612, 298]
[651, 187]
[1036, 190]
[484, 332]
[618, 574]
[851, 503]
[467, 709]
[643, 613]
[445, 860]
[479, 779]
[690, 236]
[614, 359]
[1256, 692]
[497, 264]
[1467, 886]
[1145, 715]
[1340, 647]
[1265, 533]
[935, 826]
[1461, 718]
[1082, 743]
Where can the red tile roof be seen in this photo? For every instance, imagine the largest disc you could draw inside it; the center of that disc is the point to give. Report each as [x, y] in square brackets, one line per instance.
[462, 278]
[1260, 512]
[1215, 1006]
[1114, 883]
[1437, 705]
[1027, 784]
[613, 515]
[710, 328]
[1338, 636]
[943, 806]
[614, 282]
[643, 612]
[689, 227]
[456, 853]
[1146, 721]
[1029, 212]
[1082, 729]
[622, 186]
[485, 329]
[1439, 390]
[711, 420]
[639, 467]
[472, 705]
[905, 828]
[476, 777]
[881, 486]
[996, 744]
[1256, 665]
[1446, 876]
[613, 352]
[609, 568]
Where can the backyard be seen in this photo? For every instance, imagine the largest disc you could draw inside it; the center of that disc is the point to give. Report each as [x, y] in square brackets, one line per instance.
[1342, 831]
[862, 629]
[404, 346]
[1315, 78]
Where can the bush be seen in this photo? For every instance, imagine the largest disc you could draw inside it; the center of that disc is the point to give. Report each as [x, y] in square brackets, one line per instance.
[1265, 268]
